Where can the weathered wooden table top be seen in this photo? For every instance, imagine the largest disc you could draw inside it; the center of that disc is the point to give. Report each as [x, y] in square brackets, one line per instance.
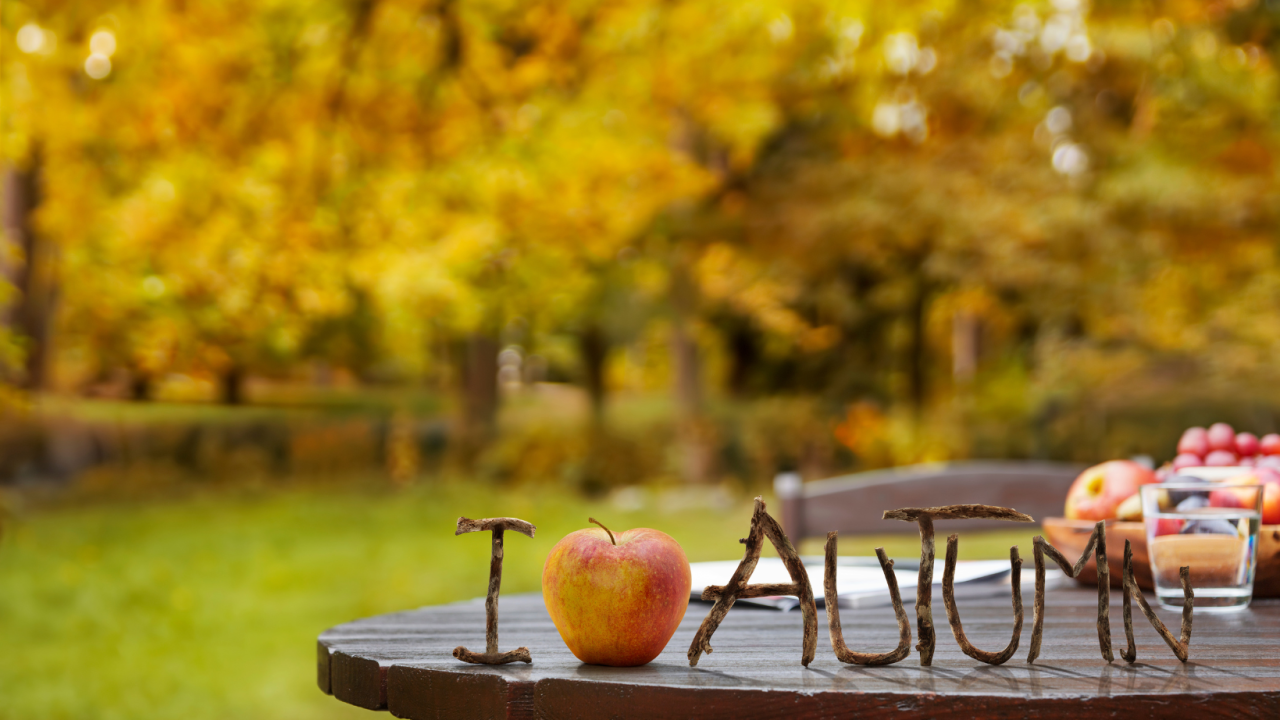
[402, 662]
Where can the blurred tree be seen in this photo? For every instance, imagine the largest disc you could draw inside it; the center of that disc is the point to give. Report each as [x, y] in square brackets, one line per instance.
[861, 200]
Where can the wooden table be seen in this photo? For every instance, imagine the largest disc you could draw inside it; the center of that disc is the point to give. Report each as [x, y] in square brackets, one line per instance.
[401, 662]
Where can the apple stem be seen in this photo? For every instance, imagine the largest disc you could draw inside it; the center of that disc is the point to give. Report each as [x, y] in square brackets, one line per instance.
[611, 538]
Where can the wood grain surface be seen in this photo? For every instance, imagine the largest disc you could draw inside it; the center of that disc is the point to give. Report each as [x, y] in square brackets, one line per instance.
[401, 662]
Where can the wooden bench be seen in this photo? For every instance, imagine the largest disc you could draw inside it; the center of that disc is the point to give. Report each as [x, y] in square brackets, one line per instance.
[853, 504]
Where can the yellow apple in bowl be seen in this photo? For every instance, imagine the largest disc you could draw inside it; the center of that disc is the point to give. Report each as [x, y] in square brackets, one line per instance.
[616, 599]
[1098, 492]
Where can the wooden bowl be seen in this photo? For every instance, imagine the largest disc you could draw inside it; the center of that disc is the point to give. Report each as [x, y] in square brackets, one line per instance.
[1070, 536]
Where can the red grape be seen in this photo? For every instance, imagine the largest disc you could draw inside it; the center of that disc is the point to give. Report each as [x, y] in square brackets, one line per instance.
[1186, 460]
[1247, 443]
[1222, 437]
[1220, 458]
[1270, 444]
[1195, 440]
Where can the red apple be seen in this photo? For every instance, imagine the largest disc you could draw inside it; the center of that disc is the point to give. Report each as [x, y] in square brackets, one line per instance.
[1230, 497]
[1186, 460]
[1270, 495]
[1098, 492]
[1247, 443]
[1269, 478]
[1195, 441]
[1169, 526]
[1269, 444]
[1221, 436]
[616, 600]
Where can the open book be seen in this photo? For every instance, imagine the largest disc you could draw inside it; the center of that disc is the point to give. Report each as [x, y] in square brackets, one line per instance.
[860, 581]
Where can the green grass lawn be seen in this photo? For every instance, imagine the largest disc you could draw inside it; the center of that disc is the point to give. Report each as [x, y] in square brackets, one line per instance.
[208, 607]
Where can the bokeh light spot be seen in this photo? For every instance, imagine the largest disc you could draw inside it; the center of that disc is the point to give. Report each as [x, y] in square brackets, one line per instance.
[103, 42]
[1070, 159]
[97, 66]
[30, 38]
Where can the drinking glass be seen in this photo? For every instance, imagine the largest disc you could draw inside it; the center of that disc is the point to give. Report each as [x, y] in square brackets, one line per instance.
[1210, 527]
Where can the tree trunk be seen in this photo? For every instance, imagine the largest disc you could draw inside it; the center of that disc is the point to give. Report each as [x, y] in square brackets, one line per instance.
[231, 384]
[31, 316]
[479, 385]
[140, 386]
[684, 355]
[593, 346]
[691, 426]
[965, 335]
[744, 356]
[916, 357]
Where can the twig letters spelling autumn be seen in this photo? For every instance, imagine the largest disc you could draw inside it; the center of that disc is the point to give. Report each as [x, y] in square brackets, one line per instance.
[765, 526]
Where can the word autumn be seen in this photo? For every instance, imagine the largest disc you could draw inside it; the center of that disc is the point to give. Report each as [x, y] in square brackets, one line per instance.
[764, 526]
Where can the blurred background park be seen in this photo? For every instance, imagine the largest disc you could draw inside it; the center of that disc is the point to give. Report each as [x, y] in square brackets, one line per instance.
[288, 286]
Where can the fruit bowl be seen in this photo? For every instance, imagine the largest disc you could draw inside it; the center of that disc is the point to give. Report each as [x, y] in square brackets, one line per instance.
[1070, 537]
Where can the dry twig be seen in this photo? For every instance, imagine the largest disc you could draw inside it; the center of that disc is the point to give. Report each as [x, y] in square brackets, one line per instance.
[843, 653]
[1098, 546]
[953, 615]
[467, 525]
[1181, 647]
[491, 656]
[762, 525]
[1130, 654]
[959, 512]
[711, 593]
[924, 517]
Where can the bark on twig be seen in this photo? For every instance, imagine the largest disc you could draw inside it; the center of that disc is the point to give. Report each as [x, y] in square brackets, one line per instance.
[959, 512]
[795, 568]
[467, 525]
[1037, 606]
[1097, 545]
[924, 517]
[924, 593]
[498, 526]
[518, 655]
[1074, 570]
[953, 615]
[1130, 654]
[843, 653]
[762, 525]
[1181, 646]
[702, 639]
[1104, 593]
[711, 593]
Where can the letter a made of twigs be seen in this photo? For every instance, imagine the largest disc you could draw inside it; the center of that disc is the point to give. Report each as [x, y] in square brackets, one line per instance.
[762, 525]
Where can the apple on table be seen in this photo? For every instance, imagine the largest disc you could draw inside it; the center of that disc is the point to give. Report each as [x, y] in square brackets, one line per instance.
[616, 599]
[1241, 497]
[1098, 492]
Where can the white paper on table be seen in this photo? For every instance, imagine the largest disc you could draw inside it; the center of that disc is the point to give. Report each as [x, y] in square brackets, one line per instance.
[860, 581]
